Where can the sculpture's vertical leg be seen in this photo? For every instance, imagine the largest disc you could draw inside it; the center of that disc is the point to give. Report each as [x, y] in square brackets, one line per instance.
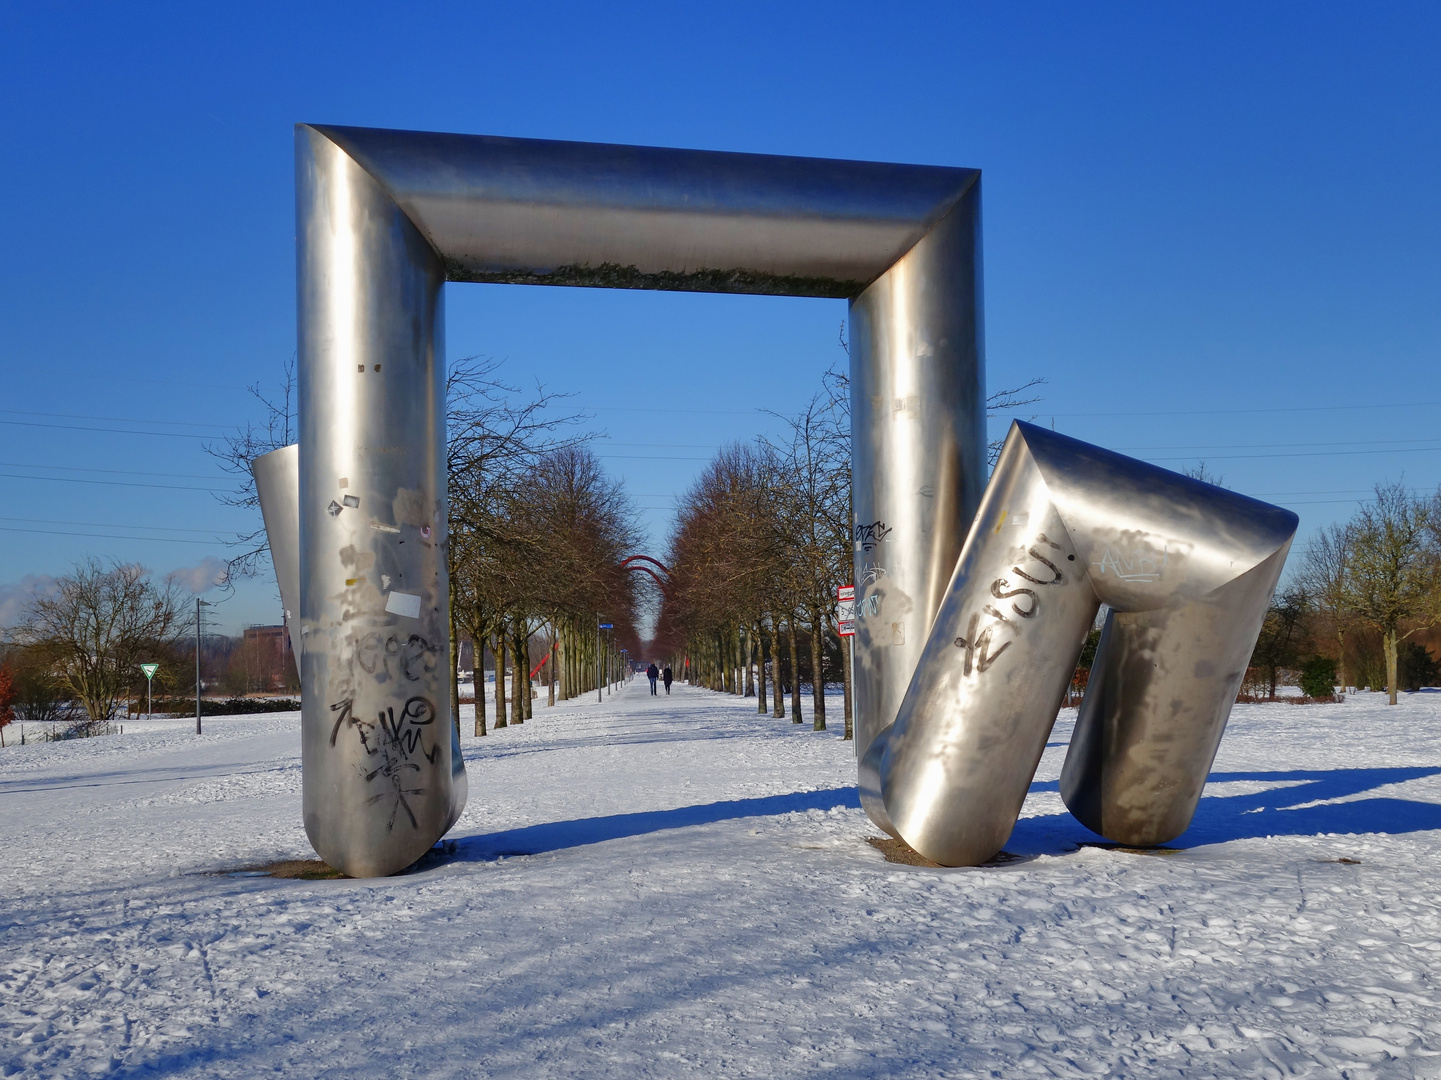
[377, 738]
[918, 433]
[1161, 690]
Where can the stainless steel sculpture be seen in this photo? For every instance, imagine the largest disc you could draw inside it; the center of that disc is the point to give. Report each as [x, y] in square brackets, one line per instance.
[386, 217]
[1187, 569]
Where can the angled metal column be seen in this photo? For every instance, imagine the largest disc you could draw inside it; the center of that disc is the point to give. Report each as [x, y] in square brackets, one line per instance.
[1188, 570]
[386, 216]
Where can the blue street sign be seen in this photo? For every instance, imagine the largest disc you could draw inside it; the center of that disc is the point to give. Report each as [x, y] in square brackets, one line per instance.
[607, 626]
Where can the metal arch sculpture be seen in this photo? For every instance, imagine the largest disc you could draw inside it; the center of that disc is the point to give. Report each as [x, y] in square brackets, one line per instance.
[1187, 570]
[633, 562]
[385, 218]
[358, 517]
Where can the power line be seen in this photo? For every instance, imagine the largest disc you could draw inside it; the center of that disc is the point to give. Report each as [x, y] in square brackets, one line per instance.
[663, 445]
[113, 431]
[1246, 412]
[107, 525]
[105, 483]
[105, 536]
[1262, 446]
[1343, 491]
[672, 412]
[112, 472]
[1313, 453]
[649, 457]
[115, 419]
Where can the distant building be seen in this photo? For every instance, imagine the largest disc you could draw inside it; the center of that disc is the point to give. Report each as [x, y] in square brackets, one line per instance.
[268, 658]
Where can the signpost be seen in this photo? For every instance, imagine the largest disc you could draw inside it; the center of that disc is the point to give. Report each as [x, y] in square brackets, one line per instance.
[846, 610]
[150, 670]
[846, 628]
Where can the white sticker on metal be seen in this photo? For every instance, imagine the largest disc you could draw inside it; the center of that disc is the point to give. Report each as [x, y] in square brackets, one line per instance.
[403, 603]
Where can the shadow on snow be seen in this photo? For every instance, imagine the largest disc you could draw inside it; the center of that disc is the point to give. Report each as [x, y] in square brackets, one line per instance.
[1304, 808]
[559, 835]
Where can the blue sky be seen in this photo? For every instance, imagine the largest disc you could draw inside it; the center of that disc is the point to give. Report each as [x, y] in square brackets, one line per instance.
[1213, 229]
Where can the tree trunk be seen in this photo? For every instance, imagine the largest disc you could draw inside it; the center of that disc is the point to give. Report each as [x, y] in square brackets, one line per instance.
[517, 675]
[523, 651]
[794, 650]
[1341, 652]
[761, 671]
[748, 653]
[550, 666]
[500, 720]
[1390, 644]
[454, 672]
[779, 672]
[477, 642]
[818, 680]
[846, 679]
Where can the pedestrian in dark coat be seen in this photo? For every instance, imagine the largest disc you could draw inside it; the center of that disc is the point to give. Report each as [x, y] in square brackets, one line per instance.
[665, 677]
[652, 673]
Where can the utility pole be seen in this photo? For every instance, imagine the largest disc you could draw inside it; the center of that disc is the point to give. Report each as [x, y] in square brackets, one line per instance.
[600, 662]
[198, 602]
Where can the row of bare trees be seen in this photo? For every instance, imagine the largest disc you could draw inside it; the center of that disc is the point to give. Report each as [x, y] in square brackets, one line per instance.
[762, 540]
[538, 533]
[760, 543]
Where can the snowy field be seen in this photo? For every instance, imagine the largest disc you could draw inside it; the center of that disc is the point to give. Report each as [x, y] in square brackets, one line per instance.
[665, 887]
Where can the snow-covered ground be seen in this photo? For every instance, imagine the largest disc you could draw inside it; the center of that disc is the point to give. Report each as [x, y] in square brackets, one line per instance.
[662, 887]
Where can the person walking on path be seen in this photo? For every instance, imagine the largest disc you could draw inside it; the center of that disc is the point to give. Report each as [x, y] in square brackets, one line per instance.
[653, 673]
[666, 678]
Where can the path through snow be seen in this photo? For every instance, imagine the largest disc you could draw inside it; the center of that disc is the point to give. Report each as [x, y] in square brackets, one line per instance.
[662, 887]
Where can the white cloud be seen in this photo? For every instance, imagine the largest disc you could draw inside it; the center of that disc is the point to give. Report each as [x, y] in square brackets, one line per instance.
[202, 578]
[14, 597]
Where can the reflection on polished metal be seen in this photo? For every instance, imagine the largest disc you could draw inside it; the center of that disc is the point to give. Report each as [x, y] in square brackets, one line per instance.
[385, 217]
[1187, 569]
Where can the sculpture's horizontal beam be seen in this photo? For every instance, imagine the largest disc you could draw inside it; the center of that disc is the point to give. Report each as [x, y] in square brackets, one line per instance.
[537, 212]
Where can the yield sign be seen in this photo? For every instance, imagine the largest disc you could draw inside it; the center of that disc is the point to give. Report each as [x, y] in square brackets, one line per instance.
[150, 670]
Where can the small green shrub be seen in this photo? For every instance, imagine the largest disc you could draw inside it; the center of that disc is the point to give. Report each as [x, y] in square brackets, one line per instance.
[1415, 668]
[1318, 677]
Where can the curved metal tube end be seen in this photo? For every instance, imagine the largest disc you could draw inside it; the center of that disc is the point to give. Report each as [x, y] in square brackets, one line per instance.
[869, 785]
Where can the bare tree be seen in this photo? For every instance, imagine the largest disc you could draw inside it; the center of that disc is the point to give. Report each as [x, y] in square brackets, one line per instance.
[814, 497]
[1323, 576]
[234, 455]
[1393, 569]
[96, 629]
[1200, 472]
